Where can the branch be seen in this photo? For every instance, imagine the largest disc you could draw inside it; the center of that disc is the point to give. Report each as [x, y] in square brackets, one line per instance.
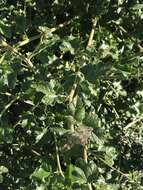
[89, 45]
[133, 122]
[115, 169]
[121, 28]
[51, 30]
[70, 100]
[35, 152]
[58, 157]
[72, 92]
[8, 47]
[8, 106]
[90, 40]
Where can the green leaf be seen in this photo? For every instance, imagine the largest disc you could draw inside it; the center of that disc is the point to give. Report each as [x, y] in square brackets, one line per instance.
[110, 155]
[71, 108]
[1, 178]
[69, 81]
[12, 78]
[92, 172]
[41, 187]
[47, 90]
[6, 133]
[78, 175]
[5, 29]
[3, 169]
[41, 135]
[137, 6]
[90, 169]
[93, 72]
[40, 174]
[79, 111]
[75, 175]
[59, 131]
[92, 120]
[20, 23]
[66, 46]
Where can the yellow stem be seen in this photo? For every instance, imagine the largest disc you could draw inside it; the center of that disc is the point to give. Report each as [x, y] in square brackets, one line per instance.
[90, 40]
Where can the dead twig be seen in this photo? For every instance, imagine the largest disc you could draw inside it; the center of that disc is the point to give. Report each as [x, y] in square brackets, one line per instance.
[7, 47]
[134, 122]
[50, 30]
[90, 40]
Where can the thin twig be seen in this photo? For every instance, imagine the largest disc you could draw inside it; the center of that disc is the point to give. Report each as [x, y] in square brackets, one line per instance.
[115, 169]
[72, 92]
[14, 97]
[8, 47]
[85, 157]
[133, 122]
[28, 62]
[8, 106]
[2, 58]
[57, 157]
[70, 99]
[121, 28]
[28, 40]
[50, 30]
[35, 152]
[90, 40]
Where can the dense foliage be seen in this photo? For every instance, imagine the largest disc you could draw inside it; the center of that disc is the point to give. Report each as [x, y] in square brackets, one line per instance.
[71, 104]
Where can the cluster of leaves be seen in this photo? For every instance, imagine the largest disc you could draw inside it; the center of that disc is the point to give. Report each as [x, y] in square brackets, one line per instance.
[51, 82]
